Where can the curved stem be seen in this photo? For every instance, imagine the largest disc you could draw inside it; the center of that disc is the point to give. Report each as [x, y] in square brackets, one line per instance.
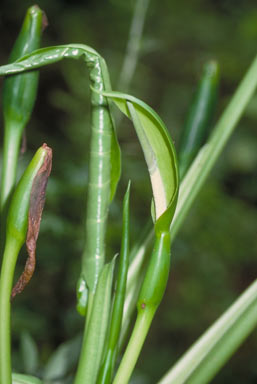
[6, 281]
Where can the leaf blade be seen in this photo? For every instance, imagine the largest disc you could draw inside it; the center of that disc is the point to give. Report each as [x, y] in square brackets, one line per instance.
[96, 330]
[218, 343]
[158, 149]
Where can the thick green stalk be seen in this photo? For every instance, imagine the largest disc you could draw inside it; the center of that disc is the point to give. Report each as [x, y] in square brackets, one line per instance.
[140, 331]
[150, 297]
[98, 194]
[11, 148]
[8, 266]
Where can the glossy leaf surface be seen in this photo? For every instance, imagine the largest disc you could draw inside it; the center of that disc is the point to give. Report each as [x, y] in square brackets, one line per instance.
[158, 150]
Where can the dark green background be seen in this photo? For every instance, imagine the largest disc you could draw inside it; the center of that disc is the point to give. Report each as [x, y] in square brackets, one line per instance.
[214, 257]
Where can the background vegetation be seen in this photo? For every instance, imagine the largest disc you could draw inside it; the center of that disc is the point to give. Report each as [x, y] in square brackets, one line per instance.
[214, 256]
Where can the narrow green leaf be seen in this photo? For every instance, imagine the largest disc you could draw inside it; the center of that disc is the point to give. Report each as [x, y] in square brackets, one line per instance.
[29, 353]
[18, 378]
[158, 150]
[94, 336]
[117, 312]
[205, 358]
[199, 118]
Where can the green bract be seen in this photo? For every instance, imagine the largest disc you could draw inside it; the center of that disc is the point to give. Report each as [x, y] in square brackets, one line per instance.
[160, 156]
[159, 153]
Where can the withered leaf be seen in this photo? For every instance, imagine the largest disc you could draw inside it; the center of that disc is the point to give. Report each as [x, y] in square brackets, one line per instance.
[36, 205]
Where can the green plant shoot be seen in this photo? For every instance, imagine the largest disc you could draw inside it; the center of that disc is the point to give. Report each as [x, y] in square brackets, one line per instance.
[23, 223]
[162, 165]
[19, 95]
[104, 163]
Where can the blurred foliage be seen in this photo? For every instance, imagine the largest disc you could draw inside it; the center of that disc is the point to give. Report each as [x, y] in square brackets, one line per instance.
[214, 256]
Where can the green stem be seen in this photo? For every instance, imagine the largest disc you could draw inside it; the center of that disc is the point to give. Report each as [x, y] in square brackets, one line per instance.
[140, 331]
[6, 281]
[99, 184]
[10, 158]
